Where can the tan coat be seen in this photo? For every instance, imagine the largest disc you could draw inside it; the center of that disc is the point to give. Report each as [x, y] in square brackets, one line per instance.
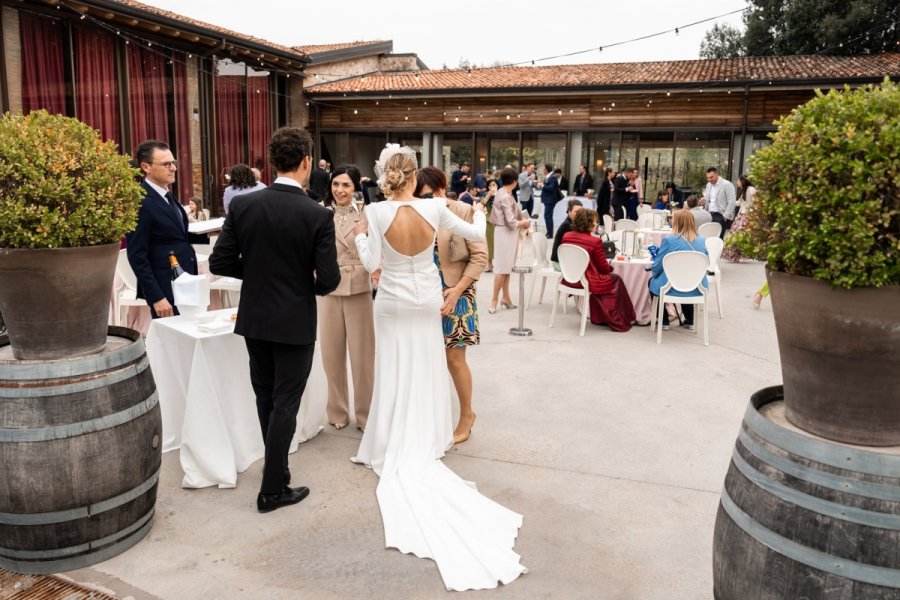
[354, 277]
[478, 253]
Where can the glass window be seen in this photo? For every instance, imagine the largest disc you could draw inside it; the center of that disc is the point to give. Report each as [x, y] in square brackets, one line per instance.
[365, 148]
[503, 151]
[655, 162]
[628, 151]
[544, 148]
[599, 153]
[696, 152]
[413, 140]
[456, 149]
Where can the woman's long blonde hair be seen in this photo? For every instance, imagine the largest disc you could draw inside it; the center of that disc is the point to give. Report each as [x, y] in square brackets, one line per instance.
[683, 224]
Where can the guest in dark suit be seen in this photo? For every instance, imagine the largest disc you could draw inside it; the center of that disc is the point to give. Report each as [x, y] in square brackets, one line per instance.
[583, 181]
[571, 208]
[621, 193]
[318, 181]
[604, 192]
[549, 196]
[162, 227]
[675, 194]
[281, 243]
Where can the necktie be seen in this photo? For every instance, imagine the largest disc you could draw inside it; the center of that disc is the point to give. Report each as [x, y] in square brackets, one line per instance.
[173, 204]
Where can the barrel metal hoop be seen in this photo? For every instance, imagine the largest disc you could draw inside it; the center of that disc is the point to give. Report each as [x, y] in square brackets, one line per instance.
[73, 367]
[60, 432]
[836, 511]
[124, 540]
[831, 454]
[827, 563]
[82, 512]
[102, 380]
[829, 480]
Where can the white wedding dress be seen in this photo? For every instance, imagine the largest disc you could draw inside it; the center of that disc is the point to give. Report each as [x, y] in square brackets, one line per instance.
[427, 509]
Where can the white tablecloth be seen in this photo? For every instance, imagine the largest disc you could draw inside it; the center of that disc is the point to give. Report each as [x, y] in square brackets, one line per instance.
[559, 209]
[655, 236]
[208, 406]
[636, 281]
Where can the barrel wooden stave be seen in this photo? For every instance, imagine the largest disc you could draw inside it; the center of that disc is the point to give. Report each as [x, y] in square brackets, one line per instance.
[80, 455]
[788, 531]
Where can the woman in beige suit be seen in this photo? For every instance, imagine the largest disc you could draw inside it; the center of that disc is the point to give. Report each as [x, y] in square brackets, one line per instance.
[345, 316]
[460, 262]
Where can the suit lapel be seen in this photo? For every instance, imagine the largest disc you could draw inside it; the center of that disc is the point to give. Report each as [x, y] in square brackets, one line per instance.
[166, 208]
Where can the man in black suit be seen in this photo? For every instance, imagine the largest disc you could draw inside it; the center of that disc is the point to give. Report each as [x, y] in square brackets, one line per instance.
[583, 181]
[280, 242]
[621, 192]
[318, 181]
[162, 227]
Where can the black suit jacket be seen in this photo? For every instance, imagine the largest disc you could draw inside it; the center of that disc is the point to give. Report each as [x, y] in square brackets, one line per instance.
[620, 193]
[160, 229]
[280, 242]
[583, 183]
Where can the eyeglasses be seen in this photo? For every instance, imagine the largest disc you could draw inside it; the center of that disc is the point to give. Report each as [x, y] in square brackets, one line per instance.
[168, 164]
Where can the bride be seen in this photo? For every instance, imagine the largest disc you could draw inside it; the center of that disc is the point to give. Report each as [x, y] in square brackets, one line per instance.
[426, 508]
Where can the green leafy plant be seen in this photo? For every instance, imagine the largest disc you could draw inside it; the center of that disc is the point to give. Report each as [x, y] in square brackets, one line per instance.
[828, 202]
[61, 186]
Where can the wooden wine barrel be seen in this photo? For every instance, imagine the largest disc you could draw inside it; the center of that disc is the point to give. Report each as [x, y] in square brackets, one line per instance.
[805, 517]
[80, 453]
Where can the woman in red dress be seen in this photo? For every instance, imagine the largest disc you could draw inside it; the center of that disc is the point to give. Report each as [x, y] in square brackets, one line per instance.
[610, 303]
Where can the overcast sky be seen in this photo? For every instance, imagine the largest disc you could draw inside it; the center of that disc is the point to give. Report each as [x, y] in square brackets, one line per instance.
[483, 32]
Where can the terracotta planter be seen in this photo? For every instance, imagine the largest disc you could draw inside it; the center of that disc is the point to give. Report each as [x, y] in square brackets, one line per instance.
[840, 358]
[56, 301]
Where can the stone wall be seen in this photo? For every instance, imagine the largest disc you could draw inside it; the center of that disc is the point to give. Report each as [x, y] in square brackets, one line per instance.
[12, 52]
[342, 70]
[193, 108]
[402, 62]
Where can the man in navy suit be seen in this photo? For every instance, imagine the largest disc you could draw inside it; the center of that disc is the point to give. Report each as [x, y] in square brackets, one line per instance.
[549, 196]
[162, 228]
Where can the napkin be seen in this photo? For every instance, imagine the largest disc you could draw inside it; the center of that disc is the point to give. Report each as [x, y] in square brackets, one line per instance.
[191, 290]
[215, 326]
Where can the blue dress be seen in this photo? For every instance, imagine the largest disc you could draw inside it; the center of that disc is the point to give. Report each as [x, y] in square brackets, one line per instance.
[674, 244]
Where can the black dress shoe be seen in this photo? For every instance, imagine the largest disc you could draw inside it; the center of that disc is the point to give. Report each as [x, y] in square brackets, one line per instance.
[287, 477]
[269, 502]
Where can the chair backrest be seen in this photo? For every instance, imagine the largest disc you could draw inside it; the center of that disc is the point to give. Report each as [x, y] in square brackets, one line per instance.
[643, 208]
[607, 224]
[206, 212]
[625, 224]
[124, 271]
[646, 220]
[714, 247]
[573, 262]
[540, 250]
[685, 269]
[710, 230]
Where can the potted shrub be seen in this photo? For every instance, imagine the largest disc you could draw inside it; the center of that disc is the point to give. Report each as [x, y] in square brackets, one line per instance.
[66, 200]
[827, 223]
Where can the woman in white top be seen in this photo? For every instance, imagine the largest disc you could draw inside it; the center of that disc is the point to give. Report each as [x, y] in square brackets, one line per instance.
[427, 509]
[746, 196]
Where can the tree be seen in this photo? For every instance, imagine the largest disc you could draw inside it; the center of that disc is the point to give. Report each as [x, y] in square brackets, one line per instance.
[722, 41]
[835, 27]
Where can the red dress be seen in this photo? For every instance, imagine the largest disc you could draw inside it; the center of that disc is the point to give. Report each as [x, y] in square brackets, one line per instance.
[609, 299]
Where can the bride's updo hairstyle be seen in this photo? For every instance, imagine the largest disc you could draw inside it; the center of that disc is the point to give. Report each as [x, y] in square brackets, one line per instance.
[395, 168]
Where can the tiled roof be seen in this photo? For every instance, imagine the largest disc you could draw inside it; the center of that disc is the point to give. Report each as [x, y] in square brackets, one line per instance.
[320, 48]
[215, 28]
[758, 68]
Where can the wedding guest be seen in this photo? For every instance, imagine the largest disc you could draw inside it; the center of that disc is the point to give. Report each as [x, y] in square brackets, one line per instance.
[243, 181]
[675, 194]
[470, 194]
[526, 189]
[662, 200]
[573, 207]
[621, 194]
[281, 244]
[506, 217]
[746, 196]
[604, 192]
[460, 263]
[720, 199]
[610, 303]
[636, 194]
[488, 202]
[195, 213]
[550, 193]
[583, 181]
[701, 215]
[683, 237]
[318, 181]
[157, 233]
[346, 320]
[460, 179]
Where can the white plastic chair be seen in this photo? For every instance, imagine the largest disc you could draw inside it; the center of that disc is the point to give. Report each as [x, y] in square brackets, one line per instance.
[543, 270]
[710, 230]
[714, 248]
[643, 208]
[228, 285]
[573, 261]
[126, 295]
[607, 224]
[685, 271]
[626, 224]
[645, 220]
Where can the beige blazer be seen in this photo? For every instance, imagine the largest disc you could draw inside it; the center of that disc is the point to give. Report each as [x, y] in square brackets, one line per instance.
[478, 253]
[354, 277]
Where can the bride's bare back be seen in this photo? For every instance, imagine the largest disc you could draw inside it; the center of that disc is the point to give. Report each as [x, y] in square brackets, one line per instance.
[409, 233]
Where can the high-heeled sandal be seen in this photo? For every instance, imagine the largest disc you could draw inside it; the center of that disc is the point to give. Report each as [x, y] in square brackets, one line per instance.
[509, 305]
[757, 300]
[492, 308]
[462, 437]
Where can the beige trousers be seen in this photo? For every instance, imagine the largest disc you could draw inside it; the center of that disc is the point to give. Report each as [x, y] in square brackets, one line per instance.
[348, 322]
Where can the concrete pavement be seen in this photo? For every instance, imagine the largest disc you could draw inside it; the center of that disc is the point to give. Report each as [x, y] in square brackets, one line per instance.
[614, 449]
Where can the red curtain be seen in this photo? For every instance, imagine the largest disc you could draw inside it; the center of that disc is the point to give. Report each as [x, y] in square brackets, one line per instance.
[96, 91]
[230, 121]
[259, 107]
[43, 73]
[183, 131]
[147, 91]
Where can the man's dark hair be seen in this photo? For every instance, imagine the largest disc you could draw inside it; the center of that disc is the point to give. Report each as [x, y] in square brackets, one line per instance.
[288, 147]
[241, 177]
[508, 175]
[144, 151]
[572, 203]
[465, 164]
[557, 170]
[692, 201]
[548, 167]
[712, 170]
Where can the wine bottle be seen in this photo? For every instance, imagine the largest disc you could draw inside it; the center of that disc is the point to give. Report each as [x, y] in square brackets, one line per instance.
[176, 268]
